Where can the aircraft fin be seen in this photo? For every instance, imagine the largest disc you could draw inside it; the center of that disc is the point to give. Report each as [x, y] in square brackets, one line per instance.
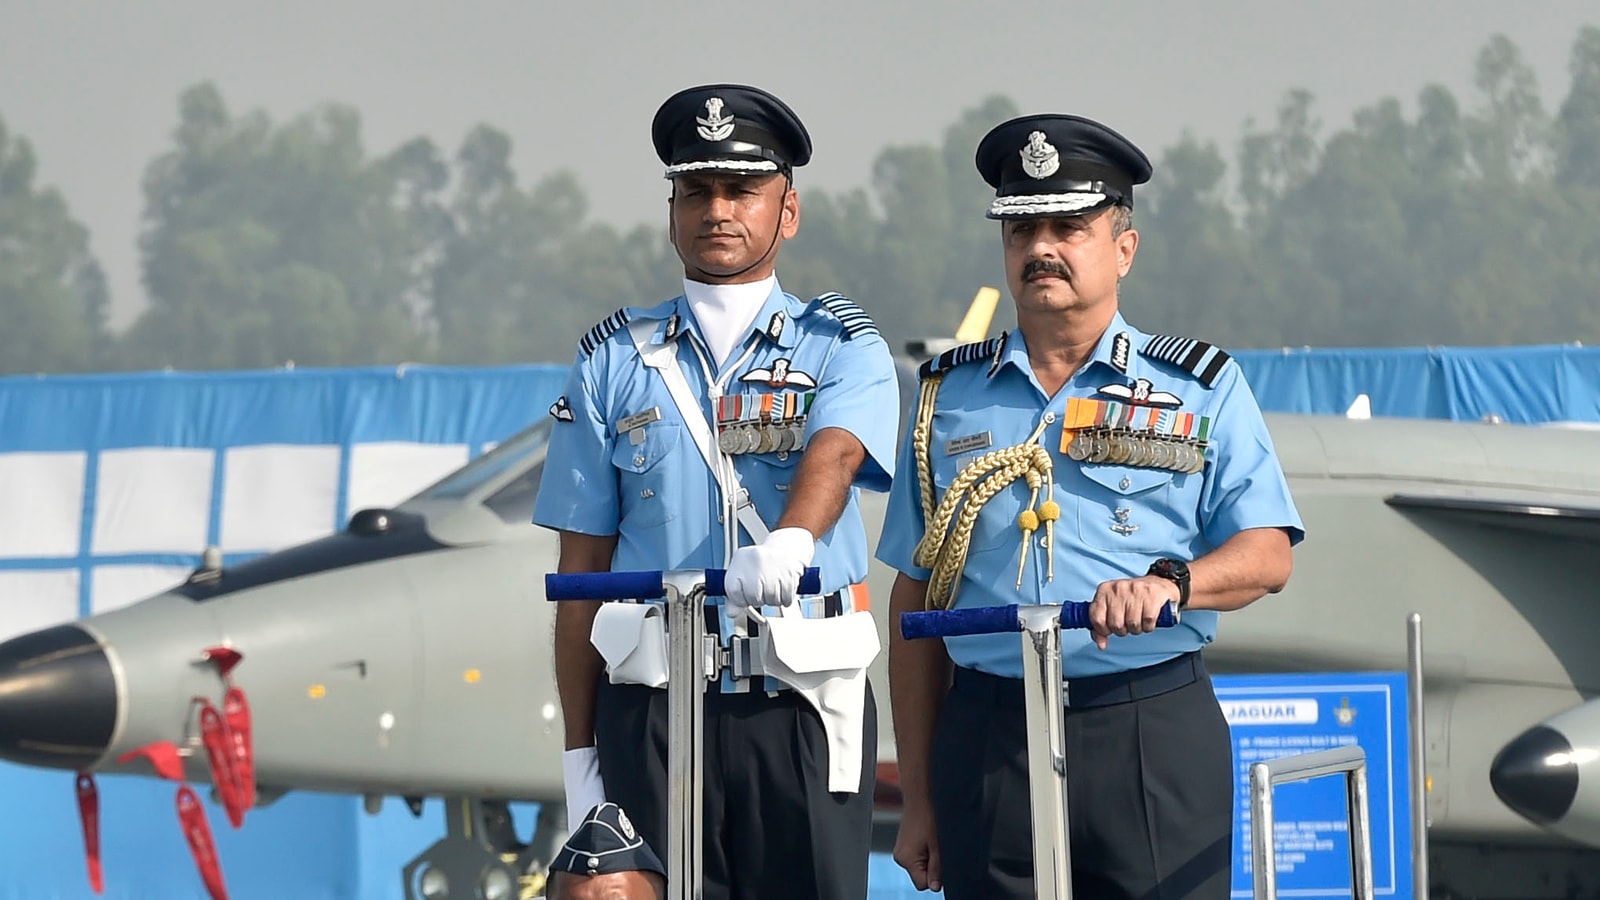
[975, 324]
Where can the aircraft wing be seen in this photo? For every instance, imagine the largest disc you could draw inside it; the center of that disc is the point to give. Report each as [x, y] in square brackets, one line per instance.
[1562, 520]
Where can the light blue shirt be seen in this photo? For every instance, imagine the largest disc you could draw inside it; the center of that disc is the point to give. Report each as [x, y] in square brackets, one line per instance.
[1115, 519]
[651, 487]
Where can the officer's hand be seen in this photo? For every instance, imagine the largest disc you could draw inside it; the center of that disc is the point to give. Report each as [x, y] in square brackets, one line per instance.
[916, 849]
[1128, 606]
[768, 574]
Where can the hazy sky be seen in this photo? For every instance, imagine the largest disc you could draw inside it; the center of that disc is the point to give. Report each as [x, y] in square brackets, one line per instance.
[94, 85]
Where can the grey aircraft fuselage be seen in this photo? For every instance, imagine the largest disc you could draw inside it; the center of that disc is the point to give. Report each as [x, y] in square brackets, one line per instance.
[409, 654]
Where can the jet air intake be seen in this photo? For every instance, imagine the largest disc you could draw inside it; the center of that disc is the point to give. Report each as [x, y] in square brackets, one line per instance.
[58, 699]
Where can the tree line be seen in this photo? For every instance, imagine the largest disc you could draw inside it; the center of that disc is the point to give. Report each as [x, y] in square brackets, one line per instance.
[1467, 221]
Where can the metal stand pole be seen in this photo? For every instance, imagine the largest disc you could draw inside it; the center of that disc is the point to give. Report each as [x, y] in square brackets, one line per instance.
[1419, 768]
[1047, 754]
[686, 684]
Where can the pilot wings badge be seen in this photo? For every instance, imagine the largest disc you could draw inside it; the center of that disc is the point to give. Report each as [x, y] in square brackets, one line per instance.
[1039, 158]
[780, 375]
[560, 411]
[1140, 394]
[714, 126]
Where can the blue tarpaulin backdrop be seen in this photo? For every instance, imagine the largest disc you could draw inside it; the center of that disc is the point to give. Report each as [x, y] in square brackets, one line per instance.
[311, 846]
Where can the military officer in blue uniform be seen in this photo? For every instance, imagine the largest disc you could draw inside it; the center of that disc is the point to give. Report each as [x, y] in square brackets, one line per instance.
[729, 427]
[1076, 458]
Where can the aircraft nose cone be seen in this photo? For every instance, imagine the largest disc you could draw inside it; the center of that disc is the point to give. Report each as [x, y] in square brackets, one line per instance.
[1536, 775]
[58, 699]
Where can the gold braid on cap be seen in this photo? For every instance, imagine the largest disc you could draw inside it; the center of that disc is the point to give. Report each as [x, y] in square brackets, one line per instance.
[943, 549]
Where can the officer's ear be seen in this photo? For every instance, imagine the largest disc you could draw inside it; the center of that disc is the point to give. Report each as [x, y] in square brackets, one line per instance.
[672, 215]
[1127, 246]
[789, 219]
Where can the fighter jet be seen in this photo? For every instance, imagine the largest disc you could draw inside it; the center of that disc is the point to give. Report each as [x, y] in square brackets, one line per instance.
[406, 654]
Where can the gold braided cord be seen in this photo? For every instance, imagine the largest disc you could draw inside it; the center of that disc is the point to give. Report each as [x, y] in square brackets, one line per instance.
[938, 523]
[921, 432]
[943, 548]
[953, 555]
[1027, 460]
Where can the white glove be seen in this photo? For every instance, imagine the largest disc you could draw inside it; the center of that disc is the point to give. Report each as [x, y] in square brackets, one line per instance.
[580, 773]
[768, 573]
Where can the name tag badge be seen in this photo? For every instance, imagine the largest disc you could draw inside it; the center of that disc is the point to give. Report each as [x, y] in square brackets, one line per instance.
[956, 446]
[639, 420]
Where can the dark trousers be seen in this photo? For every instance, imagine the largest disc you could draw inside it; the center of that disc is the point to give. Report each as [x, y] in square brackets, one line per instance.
[1149, 790]
[772, 829]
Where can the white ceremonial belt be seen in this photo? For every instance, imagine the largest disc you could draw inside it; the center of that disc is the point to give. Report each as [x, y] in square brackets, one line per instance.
[825, 661]
[632, 639]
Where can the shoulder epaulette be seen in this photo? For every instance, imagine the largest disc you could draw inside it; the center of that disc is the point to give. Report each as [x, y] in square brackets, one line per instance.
[1198, 358]
[960, 356]
[607, 327]
[855, 320]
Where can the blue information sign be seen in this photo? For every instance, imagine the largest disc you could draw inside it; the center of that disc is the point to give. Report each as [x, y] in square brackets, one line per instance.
[1277, 715]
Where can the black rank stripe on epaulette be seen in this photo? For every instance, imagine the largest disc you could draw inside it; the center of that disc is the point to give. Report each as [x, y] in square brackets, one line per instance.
[1198, 358]
[960, 356]
[591, 341]
[855, 320]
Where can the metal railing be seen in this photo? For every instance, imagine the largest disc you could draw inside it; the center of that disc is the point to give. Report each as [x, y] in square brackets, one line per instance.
[1351, 761]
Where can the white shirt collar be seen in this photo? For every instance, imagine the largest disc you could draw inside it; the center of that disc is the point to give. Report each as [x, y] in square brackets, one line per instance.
[724, 312]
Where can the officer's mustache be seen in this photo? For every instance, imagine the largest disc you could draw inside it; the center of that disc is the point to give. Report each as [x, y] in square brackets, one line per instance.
[1047, 267]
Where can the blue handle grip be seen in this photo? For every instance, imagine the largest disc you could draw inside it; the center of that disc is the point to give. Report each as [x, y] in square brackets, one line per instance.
[643, 585]
[810, 582]
[952, 622]
[997, 620]
[604, 586]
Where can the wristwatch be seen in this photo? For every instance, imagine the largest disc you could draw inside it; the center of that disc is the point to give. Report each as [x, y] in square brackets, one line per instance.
[1175, 571]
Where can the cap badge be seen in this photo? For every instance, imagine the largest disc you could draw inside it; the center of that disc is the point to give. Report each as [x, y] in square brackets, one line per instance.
[1039, 158]
[627, 826]
[714, 126]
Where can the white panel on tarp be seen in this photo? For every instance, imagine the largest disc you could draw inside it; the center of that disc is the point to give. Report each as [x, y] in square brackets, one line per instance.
[153, 501]
[30, 600]
[113, 587]
[41, 503]
[276, 495]
[385, 474]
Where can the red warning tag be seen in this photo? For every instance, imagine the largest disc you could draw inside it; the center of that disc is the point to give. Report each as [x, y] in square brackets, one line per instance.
[192, 818]
[89, 815]
[219, 751]
[236, 713]
[162, 756]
